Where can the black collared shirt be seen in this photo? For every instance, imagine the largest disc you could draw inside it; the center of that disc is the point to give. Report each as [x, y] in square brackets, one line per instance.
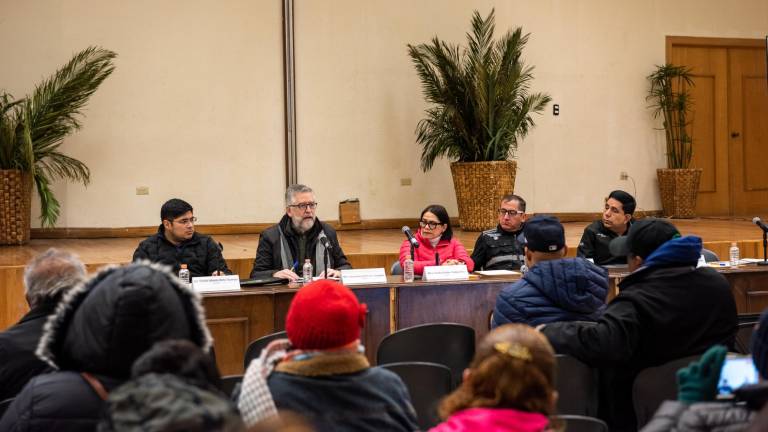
[595, 244]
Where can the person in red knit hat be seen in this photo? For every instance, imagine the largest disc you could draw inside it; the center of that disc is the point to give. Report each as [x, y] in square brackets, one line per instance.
[325, 375]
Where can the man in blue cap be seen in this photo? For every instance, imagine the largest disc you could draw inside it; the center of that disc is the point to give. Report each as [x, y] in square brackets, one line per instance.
[554, 288]
[667, 309]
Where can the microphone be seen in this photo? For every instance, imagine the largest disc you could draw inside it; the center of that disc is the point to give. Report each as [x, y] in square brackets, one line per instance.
[411, 239]
[326, 244]
[757, 221]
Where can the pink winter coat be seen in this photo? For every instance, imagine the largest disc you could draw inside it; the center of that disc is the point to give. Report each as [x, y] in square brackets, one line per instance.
[493, 420]
[424, 255]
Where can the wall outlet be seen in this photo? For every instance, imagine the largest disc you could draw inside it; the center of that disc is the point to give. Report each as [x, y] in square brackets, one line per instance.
[623, 175]
[142, 190]
[405, 181]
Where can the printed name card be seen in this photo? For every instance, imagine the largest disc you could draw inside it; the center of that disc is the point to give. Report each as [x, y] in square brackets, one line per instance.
[363, 276]
[446, 273]
[206, 284]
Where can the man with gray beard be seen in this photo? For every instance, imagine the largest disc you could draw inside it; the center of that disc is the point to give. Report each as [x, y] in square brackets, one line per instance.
[299, 235]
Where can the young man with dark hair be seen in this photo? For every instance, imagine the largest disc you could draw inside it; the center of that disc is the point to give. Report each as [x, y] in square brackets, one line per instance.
[502, 248]
[177, 243]
[617, 218]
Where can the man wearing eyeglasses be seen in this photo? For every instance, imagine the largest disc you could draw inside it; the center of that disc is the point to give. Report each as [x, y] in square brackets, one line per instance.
[177, 243]
[502, 248]
[298, 236]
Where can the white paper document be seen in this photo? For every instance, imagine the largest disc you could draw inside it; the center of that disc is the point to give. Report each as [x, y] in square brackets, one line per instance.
[497, 272]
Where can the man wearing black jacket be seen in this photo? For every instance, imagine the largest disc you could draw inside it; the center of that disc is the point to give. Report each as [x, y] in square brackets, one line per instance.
[667, 309]
[177, 243]
[616, 221]
[298, 236]
[502, 248]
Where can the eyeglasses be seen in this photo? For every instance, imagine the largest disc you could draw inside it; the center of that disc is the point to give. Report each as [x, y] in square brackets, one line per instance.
[305, 206]
[432, 225]
[510, 213]
[191, 220]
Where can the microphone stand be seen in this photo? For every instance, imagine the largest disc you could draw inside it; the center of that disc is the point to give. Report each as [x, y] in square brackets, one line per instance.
[413, 257]
[325, 262]
[764, 262]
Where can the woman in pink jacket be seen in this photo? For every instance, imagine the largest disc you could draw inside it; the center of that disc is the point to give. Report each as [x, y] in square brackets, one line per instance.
[436, 242]
[509, 386]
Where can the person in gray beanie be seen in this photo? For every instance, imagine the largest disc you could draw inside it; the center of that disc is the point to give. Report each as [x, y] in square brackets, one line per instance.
[92, 339]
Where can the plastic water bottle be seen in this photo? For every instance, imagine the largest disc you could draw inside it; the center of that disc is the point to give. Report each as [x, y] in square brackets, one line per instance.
[184, 274]
[408, 275]
[307, 271]
[734, 255]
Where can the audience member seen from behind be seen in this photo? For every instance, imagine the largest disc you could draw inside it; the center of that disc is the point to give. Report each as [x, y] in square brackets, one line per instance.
[325, 376]
[616, 220]
[174, 386]
[503, 248]
[300, 235]
[666, 309]
[696, 407]
[436, 241]
[99, 329]
[47, 277]
[509, 386]
[554, 288]
[177, 243]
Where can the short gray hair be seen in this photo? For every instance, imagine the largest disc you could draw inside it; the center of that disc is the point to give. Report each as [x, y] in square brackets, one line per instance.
[51, 273]
[296, 189]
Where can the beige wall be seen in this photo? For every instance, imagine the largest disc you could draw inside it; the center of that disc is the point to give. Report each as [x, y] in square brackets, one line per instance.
[195, 106]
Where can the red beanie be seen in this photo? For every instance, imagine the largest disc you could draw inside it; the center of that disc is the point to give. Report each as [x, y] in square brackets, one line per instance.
[324, 315]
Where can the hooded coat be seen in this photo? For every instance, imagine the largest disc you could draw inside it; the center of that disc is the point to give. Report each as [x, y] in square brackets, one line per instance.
[570, 289]
[100, 327]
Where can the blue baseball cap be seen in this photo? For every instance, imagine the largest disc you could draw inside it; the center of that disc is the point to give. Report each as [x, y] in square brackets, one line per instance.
[544, 234]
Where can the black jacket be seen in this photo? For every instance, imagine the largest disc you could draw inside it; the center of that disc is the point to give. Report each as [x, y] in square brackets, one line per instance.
[201, 254]
[505, 248]
[18, 363]
[101, 327]
[660, 314]
[269, 261]
[594, 244]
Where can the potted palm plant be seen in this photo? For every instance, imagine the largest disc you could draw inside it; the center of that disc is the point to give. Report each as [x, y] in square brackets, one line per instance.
[671, 100]
[31, 131]
[481, 109]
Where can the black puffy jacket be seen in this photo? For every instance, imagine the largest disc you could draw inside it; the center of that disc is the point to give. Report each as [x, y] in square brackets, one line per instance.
[201, 254]
[101, 327]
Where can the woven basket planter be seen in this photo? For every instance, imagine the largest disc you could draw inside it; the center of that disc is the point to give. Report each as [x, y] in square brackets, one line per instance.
[479, 187]
[679, 189]
[15, 208]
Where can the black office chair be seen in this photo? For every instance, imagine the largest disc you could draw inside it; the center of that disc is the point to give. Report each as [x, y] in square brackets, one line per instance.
[449, 344]
[709, 256]
[4, 406]
[427, 384]
[396, 269]
[654, 385]
[577, 387]
[743, 340]
[254, 348]
[229, 383]
[577, 423]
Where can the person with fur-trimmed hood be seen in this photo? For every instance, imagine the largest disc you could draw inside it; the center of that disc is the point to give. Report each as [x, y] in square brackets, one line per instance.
[96, 333]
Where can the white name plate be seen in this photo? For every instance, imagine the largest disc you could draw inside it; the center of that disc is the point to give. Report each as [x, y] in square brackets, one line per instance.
[363, 276]
[446, 273]
[216, 283]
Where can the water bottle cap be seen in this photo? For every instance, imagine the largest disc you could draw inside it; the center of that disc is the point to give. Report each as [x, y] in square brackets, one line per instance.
[183, 266]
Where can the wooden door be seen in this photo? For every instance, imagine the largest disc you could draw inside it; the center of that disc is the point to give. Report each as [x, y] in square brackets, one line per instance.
[730, 122]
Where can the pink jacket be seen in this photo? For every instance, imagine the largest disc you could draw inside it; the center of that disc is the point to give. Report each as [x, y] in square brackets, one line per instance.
[424, 255]
[493, 420]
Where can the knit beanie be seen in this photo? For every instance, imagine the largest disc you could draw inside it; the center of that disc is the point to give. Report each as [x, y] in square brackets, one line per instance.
[760, 345]
[324, 315]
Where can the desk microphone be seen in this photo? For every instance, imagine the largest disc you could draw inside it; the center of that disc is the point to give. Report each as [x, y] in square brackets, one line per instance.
[411, 239]
[326, 244]
[757, 221]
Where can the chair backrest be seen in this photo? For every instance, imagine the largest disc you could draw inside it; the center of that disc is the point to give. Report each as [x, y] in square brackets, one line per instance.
[577, 423]
[654, 385]
[427, 384]
[255, 347]
[577, 387]
[4, 406]
[449, 344]
[229, 383]
[743, 340]
[709, 256]
[396, 268]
